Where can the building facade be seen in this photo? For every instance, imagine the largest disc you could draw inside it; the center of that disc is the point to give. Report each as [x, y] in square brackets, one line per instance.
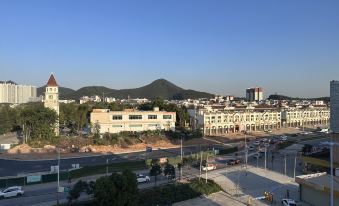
[221, 120]
[52, 98]
[133, 120]
[334, 97]
[16, 94]
[305, 116]
[254, 94]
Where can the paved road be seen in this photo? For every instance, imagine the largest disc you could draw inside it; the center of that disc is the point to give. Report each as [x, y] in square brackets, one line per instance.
[19, 167]
[45, 194]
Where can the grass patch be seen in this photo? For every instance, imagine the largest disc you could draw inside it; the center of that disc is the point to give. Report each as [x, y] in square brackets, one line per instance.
[101, 169]
[228, 150]
[166, 195]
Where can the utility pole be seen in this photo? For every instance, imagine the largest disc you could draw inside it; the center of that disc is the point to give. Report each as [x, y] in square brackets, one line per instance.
[58, 176]
[181, 158]
[265, 157]
[107, 166]
[285, 166]
[246, 153]
[200, 164]
[206, 167]
[295, 166]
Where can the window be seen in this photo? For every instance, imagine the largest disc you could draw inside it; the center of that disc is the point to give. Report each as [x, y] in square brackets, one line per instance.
[50, 96]
[135, 125]
[152, 116]
[132, 117]
[117, 117]
[167, 116]
[117, 125]
[152, 125]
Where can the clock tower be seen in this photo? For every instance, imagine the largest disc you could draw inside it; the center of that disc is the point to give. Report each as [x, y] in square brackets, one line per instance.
[52, 98]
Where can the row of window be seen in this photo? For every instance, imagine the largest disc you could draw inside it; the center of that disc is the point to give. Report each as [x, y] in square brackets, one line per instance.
[138, 117]
[137, 125]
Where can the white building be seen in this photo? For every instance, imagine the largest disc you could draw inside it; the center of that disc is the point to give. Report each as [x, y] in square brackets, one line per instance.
[133, 120]
[214, 120]
[16, 94]
[254, 94]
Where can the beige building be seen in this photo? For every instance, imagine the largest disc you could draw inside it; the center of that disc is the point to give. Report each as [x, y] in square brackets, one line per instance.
[316, 115]
[133, 120]
[215, 120]
[16, 94]
[52, 98]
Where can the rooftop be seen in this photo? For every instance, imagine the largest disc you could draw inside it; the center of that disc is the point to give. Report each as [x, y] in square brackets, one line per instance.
[319, 181]
[52, 82]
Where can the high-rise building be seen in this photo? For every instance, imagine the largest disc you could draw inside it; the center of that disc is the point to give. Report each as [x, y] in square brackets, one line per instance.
[334, 119]
[52, 98]
[16, 94]
[254, 94]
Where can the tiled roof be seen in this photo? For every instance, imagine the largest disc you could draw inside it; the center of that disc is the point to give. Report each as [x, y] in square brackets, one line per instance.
[52, 82]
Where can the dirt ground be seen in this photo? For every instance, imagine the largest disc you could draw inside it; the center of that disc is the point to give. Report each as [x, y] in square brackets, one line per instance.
[49, 152]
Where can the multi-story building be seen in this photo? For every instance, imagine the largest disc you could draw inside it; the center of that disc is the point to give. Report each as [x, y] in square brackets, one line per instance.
[16, 94]
[334, 92]
[133, 120]
[301, 116]
[254, 94]
[52, 98]
[213, 120]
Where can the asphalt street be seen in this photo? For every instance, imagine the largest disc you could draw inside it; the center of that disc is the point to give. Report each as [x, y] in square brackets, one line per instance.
[21, 167]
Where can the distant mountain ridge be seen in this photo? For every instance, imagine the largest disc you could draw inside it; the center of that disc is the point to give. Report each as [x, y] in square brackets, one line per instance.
[283, 97]
[158, 88]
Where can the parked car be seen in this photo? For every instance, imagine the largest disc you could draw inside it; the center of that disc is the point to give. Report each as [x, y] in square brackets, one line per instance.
[233, 162]
[251, 148]
[288, 202]
[256, 143]
[143, 178]
[209, 167]
[283, 138]
[267, 145]
[15, 191]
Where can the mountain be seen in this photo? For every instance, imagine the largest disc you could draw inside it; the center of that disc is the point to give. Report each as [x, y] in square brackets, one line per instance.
[283, 97]
[159, 88]
[63, 91]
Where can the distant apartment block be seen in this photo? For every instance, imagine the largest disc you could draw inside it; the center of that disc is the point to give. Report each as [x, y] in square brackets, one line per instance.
[254, 94]
[311, 115]
[334, 92]
[214, 120]
[17, 94]
[133, 120]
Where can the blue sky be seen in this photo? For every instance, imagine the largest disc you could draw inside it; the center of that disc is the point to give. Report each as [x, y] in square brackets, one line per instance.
[289, 47]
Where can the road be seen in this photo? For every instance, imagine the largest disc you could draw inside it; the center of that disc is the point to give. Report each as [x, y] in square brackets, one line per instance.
[45, 194]
[20, 167]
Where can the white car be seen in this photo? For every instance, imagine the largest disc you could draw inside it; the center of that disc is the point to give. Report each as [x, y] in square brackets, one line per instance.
[209, 167]
[288, 202]
[267, 144]
[15, 191]
[283, 138]
[143, 178]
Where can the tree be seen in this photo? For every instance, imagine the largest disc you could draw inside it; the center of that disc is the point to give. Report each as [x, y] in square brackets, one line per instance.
[96, 128]
[74, 193]
[37, 121]
[117, 190]
[155, 171]
[169, 171]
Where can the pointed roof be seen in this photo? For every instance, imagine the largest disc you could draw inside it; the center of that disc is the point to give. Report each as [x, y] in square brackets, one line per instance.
[52, 82]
